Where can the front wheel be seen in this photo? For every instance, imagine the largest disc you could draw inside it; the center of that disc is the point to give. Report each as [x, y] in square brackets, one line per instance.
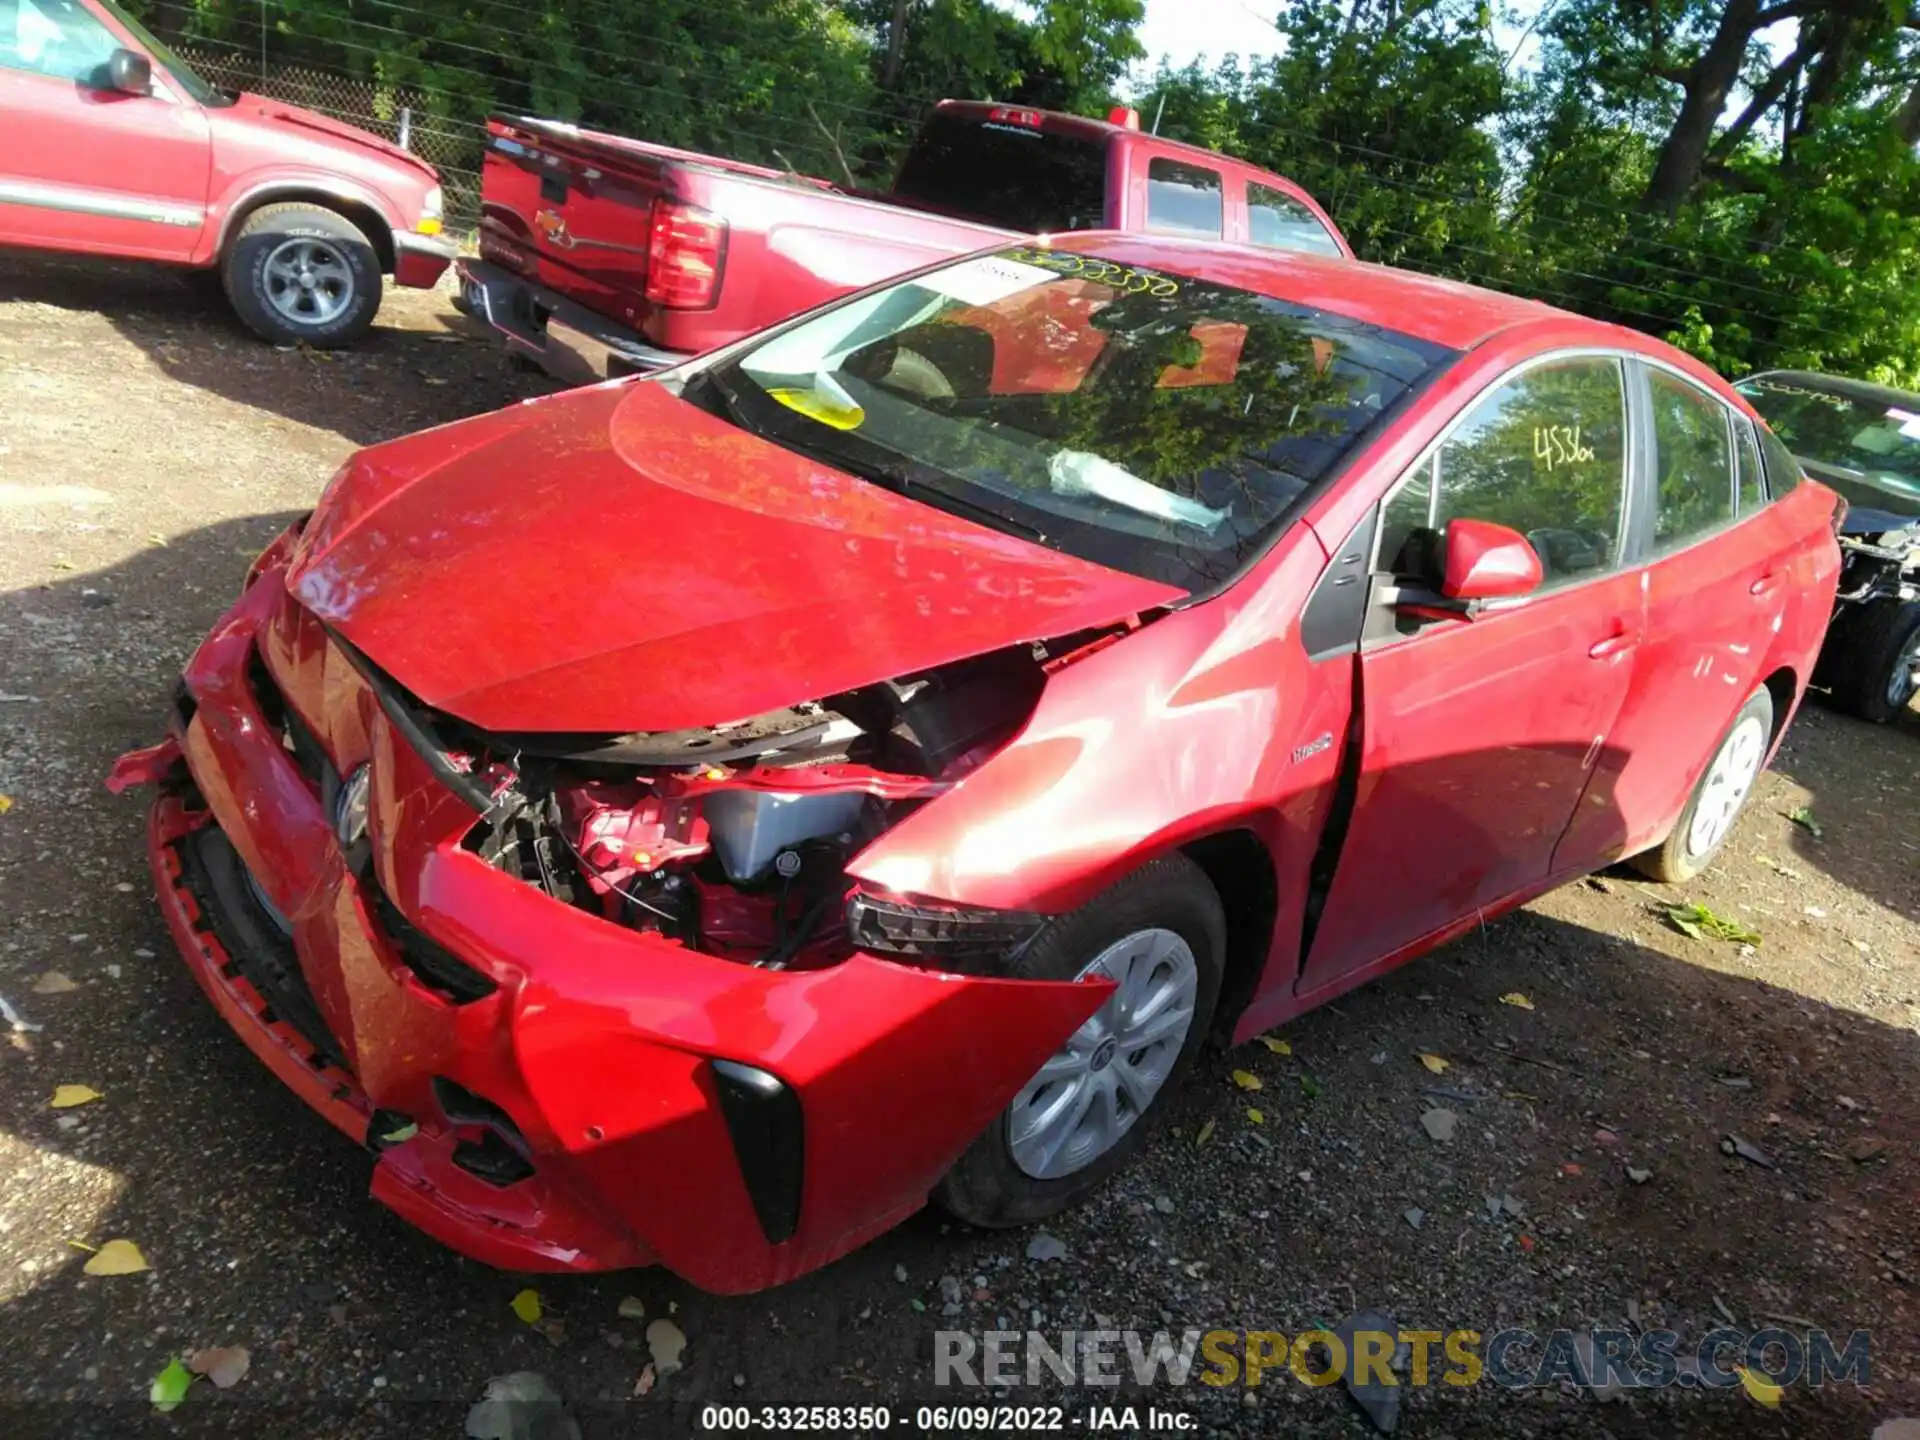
[1717, 798]
[1160, 936]
[1874, 665]
[300, 275]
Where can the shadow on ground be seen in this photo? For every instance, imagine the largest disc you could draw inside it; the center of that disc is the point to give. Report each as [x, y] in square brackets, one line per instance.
[422, 364]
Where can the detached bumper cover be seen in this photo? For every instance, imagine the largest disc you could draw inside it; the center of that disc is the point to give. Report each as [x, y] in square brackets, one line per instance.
[601, 1080]
[567, 340]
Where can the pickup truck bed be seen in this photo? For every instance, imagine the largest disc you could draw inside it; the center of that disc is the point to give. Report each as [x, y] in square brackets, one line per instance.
[601, 255]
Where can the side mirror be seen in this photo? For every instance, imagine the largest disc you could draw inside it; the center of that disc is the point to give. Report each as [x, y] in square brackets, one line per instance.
[1468, 564]
[129, 72]
[1484, 561]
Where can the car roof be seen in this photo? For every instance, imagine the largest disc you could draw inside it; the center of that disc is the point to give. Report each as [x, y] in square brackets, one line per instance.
[1442, 312]
[1841, 385]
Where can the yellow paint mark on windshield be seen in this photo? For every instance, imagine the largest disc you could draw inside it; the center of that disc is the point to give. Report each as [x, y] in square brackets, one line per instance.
[827, 409]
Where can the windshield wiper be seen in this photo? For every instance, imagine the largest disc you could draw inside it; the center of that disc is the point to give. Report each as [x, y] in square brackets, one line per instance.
[899, 478]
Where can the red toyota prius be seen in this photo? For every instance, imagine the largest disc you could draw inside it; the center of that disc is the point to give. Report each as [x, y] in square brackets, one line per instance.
[695, 820]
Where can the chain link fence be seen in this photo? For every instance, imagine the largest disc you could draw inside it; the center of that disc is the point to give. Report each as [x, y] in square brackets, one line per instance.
[392, 111]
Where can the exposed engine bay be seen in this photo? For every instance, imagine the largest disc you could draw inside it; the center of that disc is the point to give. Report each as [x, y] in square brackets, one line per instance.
[734, 840]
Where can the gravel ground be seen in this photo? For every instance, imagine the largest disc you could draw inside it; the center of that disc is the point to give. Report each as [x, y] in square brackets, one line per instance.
[148, 449]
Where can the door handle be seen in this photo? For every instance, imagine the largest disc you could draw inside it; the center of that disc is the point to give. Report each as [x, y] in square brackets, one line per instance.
[1764, 586]
[1613, 645]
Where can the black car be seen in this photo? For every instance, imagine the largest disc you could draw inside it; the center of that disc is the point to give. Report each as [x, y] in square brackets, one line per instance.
[1863, 441]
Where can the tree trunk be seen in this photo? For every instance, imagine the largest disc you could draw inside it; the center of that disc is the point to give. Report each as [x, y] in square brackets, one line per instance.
[1709, 82]
[896, 45]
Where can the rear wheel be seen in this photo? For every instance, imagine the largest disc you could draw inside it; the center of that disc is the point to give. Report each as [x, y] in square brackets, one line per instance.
[1717, 798]
[1873, 660]
[300, 275]
[1159, 935]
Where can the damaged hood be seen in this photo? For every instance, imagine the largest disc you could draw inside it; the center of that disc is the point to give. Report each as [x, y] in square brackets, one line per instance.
[616, 560]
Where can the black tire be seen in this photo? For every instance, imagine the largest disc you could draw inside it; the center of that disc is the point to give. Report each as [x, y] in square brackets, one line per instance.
[245, 276]
[986, 1186]
[1674, 860]
[1864, 650]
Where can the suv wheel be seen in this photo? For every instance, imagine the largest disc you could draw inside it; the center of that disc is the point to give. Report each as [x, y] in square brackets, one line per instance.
[300, 275]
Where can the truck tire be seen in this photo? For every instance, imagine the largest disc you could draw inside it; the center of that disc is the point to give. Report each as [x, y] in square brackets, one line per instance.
[1873, 659]
[298, 274]
[1161, 934]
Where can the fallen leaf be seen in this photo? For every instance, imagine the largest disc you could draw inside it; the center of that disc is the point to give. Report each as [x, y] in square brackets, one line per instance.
[6, 801]
[1247, 1080]
[527, 1306]
[1570, 1168]
[1759, 1387]
[1638, 1176]
[1527, 1242]
[1803, 817]
[1698, 922]
[1309, 1087]
[1434, 1063]
[54, 983]
[632, 1308]
[1046, 1247]
[666, 1340]
[645, 1383]
[224, 1365]
[1515, 998]
[156, 538]
[65, 1097]
[116, 1257]
[1439, 1124]
[1278, 1047]
[401, 1134]
[1255, 1116]
[1746, 1150]
[170, 1386]
[1206, 1134]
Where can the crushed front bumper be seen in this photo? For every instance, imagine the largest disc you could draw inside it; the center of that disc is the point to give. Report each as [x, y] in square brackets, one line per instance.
[567, 340]
[604, 1098]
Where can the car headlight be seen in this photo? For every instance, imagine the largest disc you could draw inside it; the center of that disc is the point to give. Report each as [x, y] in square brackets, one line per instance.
[350, 810]
[432, 212]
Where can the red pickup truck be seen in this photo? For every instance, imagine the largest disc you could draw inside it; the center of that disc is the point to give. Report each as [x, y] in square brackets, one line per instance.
[602, 256]
[113, 146]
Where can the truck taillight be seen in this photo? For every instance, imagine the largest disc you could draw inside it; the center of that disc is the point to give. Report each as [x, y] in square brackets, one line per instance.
[685, 252]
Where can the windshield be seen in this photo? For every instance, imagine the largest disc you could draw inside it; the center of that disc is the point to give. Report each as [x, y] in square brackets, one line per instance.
[175, 67]
[1144, 420]
[1868, 451]
[1006, 173]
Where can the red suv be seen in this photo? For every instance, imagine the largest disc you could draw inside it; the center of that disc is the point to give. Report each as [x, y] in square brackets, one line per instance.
[114, 147]
[696, 819]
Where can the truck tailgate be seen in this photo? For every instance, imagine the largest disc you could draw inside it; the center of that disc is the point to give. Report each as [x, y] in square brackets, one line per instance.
[589, 216]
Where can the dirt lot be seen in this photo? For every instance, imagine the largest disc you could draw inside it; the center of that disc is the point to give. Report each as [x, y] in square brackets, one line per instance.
[147, 449]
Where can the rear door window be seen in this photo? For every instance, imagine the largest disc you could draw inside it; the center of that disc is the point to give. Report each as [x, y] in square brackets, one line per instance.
[1693, 463]
[1275, 218]
[1184, 199]
[1006, 172]
[1543, 454]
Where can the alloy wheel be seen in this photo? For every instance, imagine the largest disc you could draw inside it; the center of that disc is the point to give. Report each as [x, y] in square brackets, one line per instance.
[1098, 1085]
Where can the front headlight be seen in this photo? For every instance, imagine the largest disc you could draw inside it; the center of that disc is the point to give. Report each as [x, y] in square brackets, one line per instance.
[433, 212]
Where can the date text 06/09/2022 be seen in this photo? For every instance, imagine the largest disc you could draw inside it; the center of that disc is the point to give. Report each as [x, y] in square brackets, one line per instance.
[963, 1419]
